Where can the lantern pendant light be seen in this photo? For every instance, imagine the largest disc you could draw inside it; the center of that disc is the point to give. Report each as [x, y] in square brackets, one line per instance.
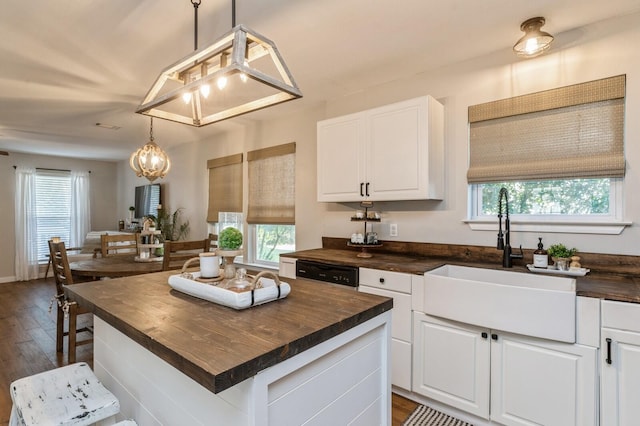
[237, 74]
[150, 161]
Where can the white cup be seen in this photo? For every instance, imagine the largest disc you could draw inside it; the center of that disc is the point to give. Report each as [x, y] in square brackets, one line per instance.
[209, 265]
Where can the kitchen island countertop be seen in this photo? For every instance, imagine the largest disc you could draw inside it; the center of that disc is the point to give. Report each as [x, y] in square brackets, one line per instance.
[216, 346]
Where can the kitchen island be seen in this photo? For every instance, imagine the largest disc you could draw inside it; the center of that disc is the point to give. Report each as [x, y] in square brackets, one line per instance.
[318, 356]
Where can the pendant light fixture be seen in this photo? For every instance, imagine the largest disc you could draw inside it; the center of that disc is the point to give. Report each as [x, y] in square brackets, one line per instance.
[239, 73]
[150, 161]
[534, 42]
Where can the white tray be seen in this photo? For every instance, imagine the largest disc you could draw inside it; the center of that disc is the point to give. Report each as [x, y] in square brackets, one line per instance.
[575, 272]
[246, 299]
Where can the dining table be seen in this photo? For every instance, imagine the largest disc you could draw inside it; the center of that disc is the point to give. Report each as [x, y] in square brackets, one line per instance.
[113, 266]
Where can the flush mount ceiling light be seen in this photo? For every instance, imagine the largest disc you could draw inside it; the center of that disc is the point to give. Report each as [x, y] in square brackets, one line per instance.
[239, 73]
[150, 161]
[534, 41]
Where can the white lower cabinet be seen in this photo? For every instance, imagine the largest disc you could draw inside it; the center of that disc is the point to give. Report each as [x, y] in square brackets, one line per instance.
[620, 364]
[451, 363]
[397, 286]
[507, 378]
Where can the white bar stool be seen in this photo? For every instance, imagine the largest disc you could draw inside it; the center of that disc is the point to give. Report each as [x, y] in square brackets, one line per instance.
[69, 396]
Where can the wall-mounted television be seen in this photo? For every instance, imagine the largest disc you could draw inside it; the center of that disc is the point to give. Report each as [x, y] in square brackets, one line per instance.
[147, 200]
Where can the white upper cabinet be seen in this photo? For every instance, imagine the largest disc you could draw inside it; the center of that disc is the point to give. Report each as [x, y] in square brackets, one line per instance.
[395, 152]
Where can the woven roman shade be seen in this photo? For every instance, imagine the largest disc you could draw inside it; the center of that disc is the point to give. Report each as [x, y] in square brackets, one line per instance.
[570, 132]
[225, 186]
[272, 175]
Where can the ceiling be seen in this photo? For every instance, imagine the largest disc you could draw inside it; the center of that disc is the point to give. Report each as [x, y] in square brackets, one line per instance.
[67, 65]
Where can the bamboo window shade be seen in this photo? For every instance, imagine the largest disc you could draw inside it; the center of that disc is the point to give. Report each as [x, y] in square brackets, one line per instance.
[225, 186]
[272, 175]
[571, 132]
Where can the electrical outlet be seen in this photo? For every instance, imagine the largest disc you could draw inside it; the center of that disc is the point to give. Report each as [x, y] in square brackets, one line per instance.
[393, 229]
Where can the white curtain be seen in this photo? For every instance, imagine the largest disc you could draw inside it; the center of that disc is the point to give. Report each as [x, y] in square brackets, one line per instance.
[26, 225]
[80, 208]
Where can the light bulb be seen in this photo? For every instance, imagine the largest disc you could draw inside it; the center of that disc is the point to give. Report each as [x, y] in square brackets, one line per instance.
[532, 45]
[205, 90]
[186, 97]
[222, 82]
[243, 76]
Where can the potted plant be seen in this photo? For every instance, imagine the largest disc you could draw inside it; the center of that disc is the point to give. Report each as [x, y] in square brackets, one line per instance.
[229, 241]
[561, 255]
[170, 225]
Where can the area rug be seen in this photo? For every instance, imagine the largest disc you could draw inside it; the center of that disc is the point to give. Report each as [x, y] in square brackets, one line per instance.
[427, 416]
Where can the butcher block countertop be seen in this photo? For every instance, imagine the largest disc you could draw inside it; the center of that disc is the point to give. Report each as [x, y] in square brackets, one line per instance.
[217, 346]
[622, 288]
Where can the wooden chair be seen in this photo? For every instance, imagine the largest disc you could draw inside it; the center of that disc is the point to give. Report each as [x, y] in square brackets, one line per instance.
[213, 242]
[178, 252]
[65, 306]
[118, 245]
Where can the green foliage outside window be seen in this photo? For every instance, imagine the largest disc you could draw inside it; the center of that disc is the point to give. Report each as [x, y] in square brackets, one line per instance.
[552, 197]
[273, 240]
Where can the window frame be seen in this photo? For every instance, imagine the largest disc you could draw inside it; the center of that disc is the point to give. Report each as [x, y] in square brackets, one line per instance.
[611, 224]
[59, 176]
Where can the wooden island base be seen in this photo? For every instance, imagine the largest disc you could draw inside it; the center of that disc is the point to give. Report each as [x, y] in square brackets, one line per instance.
[344, 380]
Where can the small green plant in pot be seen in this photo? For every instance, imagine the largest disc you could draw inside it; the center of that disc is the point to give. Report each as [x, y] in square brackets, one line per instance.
[560, 251]
[561, 255]
[230, 239]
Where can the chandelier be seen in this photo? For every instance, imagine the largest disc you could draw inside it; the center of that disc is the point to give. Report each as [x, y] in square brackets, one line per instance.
[150, 161]
[239, 73]
[534, 41]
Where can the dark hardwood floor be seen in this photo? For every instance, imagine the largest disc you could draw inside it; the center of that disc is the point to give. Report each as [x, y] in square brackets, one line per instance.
[27, 333]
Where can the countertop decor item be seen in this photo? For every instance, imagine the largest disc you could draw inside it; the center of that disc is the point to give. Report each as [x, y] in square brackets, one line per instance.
[367, 239]
[575, 272]
[261, 291]
[561, 256]
[230, 239]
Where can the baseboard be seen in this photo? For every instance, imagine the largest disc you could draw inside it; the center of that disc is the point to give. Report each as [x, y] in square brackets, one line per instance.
[7, 279]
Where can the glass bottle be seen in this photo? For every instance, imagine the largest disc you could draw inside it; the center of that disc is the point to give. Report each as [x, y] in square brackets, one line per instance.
[540, 256]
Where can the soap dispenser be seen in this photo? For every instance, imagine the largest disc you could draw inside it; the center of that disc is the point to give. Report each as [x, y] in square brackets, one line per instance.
[540, 256]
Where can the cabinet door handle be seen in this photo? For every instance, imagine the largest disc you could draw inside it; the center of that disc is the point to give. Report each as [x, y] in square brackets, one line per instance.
[361, 187]
[494, 336]
[484, 335]
[381, 280]
[367, 189]
[608, 360]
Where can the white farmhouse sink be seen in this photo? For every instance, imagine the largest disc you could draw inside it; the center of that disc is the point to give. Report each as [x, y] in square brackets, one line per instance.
[533, 305]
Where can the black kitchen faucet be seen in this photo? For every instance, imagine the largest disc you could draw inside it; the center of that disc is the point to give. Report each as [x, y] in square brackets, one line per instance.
[507, 256]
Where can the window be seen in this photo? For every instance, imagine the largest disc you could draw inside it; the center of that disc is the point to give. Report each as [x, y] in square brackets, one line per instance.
[592, 198]
[271, 240]
[271, 202]
[559, 153]
[271, 208]
[53, 208]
